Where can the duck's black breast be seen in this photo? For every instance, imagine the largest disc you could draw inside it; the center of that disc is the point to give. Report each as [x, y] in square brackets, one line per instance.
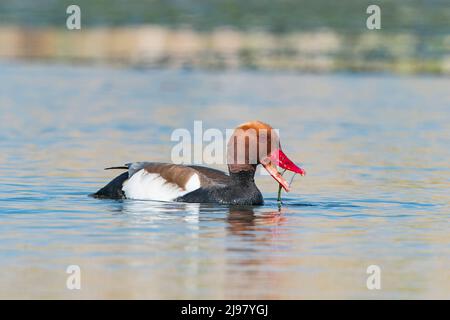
[238, 188]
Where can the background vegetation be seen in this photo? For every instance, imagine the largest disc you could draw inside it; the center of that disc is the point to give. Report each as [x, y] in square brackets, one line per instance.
[415, 34]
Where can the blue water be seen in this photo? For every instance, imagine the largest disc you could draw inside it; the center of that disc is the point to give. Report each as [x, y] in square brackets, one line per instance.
[376, 149]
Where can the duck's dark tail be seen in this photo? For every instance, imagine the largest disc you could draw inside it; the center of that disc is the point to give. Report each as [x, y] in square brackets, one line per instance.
[120, 167]
[113, 190]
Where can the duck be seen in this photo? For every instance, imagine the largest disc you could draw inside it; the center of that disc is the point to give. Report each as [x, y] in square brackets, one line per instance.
[252, 144]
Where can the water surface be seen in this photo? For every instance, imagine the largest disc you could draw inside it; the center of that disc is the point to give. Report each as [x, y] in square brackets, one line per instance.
[376, 149]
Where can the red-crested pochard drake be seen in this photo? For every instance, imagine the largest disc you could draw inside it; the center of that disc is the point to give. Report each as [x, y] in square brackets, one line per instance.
[259, 144]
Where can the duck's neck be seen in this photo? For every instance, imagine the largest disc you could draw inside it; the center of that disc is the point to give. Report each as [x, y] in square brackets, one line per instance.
[243, 177]
[243, 188]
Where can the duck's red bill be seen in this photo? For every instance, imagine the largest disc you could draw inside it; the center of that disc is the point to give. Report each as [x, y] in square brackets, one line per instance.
[277, 157]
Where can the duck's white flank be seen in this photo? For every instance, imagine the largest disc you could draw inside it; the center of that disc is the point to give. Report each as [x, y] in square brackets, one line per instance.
[151, 186]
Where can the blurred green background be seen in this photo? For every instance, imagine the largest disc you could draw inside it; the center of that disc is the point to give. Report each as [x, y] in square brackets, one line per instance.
[317, 35]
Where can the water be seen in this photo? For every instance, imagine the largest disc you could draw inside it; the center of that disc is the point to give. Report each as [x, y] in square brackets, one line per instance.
[376, 149]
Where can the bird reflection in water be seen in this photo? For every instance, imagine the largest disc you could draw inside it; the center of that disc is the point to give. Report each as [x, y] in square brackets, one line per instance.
[242, 220]
[256, 224]
[255, 242]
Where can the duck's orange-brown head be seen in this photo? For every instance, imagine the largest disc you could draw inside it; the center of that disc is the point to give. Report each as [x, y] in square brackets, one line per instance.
[254, 143]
